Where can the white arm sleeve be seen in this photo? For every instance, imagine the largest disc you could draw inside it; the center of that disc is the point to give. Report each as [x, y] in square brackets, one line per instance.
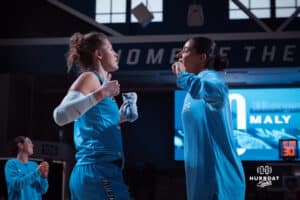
[73, 106]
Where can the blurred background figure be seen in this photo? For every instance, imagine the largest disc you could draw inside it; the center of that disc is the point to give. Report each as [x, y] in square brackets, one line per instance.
[25, 179]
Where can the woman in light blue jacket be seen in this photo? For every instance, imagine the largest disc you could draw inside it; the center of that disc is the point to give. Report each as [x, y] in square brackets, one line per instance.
[25, 178]
[213, 168]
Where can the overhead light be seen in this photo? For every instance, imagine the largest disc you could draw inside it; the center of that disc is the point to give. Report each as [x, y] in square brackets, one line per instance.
[195, 15]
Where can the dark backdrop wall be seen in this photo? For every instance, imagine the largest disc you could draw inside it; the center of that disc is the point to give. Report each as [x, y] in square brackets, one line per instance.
[34, 79]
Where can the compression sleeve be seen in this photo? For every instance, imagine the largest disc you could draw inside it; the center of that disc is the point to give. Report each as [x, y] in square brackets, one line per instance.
[73, 106]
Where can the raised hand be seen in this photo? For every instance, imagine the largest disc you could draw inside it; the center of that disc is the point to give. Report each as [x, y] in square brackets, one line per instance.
[110, 88]
[177, 67]
[44, 169]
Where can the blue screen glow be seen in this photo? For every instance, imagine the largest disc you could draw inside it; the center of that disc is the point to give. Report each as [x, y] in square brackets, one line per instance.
[260, 117]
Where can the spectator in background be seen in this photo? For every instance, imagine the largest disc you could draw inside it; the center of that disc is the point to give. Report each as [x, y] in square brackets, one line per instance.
[25, 179]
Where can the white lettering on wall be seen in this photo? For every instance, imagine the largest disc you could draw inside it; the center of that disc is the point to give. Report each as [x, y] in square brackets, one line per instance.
[119, 52]
[224, 50]
[248, 52]
[155, 59]
[268, 52]
[288, 53]
[133, 56]
[174, 52]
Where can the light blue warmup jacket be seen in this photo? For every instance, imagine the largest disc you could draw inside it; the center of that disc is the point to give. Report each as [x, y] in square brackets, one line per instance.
[24, 181]
[213, 168]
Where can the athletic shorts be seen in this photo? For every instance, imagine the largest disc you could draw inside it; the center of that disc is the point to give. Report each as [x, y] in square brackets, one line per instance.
[102, 181]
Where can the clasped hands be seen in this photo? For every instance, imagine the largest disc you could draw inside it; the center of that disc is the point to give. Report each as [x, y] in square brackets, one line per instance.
[44, 169]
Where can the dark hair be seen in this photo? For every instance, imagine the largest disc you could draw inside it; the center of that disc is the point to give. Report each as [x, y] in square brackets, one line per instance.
[209, 47]
[16, 141]
[82, 47]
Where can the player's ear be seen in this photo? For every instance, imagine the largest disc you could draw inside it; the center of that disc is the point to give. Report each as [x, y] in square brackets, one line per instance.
[203, 57]
[20, 146]
[98, 54]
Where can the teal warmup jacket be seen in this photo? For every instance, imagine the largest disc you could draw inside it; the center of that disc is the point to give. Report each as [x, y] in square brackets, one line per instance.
[213, 168]
[24, 181]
